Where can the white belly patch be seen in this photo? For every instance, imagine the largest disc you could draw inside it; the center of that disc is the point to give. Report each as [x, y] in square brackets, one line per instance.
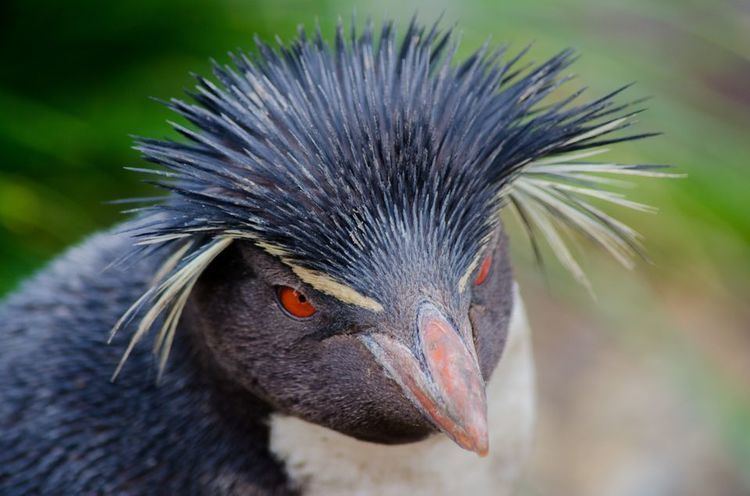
[326, 463]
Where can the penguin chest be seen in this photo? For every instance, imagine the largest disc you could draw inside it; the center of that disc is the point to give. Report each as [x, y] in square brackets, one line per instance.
[323, 462]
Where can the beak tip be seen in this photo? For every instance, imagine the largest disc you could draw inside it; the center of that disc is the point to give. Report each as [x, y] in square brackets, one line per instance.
[483, 448]
[477, 441]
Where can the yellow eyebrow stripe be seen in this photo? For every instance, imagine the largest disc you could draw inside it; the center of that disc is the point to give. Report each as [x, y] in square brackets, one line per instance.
[464, 281]
[326, 284]
[322, 282]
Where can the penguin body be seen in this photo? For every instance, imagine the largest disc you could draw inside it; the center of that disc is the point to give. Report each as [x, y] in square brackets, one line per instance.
[65, 428]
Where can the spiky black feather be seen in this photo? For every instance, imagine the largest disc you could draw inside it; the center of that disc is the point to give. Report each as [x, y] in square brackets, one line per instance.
[358, 159]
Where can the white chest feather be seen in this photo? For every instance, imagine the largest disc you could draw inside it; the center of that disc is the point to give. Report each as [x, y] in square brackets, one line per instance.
[325, 462]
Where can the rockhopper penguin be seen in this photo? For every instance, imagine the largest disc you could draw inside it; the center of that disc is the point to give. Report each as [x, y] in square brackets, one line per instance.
[327, 281]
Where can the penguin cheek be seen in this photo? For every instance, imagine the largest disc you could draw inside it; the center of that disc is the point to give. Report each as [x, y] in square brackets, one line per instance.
[340, 386]
[489, 339]
[489, 313]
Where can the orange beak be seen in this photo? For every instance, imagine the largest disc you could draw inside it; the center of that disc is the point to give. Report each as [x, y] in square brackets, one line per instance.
[441, 378]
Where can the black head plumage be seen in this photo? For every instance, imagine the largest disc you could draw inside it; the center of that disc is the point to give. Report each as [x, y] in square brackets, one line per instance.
[360, 162]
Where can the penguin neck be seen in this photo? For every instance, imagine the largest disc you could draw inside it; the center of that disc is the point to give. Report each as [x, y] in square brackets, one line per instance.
[230, 400]
[228, 425]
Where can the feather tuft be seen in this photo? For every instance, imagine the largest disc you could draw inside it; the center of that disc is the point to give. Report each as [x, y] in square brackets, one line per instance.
[351, 160]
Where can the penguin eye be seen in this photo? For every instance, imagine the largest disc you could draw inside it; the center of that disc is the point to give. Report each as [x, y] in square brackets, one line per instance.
[484, 271]
[295, 303]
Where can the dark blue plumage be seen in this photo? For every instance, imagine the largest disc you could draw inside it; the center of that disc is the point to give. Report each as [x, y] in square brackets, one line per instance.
[66, 429]
[358, 158]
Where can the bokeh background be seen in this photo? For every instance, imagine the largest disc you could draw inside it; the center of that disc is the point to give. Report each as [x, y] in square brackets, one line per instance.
[645, 391]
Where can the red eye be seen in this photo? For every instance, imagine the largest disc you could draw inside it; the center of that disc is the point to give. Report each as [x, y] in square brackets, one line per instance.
[294, 302]
[484, 270]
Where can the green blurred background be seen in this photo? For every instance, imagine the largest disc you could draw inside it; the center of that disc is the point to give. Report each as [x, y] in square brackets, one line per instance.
[645, 391]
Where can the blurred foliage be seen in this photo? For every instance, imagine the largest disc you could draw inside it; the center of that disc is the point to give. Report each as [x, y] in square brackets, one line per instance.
[75, 77]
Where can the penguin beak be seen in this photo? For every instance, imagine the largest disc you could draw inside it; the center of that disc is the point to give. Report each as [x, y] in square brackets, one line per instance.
[440, 376]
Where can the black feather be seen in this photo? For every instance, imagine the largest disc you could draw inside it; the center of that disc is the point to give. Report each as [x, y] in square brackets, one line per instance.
[359, 159]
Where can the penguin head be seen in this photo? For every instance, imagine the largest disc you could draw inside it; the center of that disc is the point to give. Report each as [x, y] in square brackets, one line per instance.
[333, 221]
[390, 375]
